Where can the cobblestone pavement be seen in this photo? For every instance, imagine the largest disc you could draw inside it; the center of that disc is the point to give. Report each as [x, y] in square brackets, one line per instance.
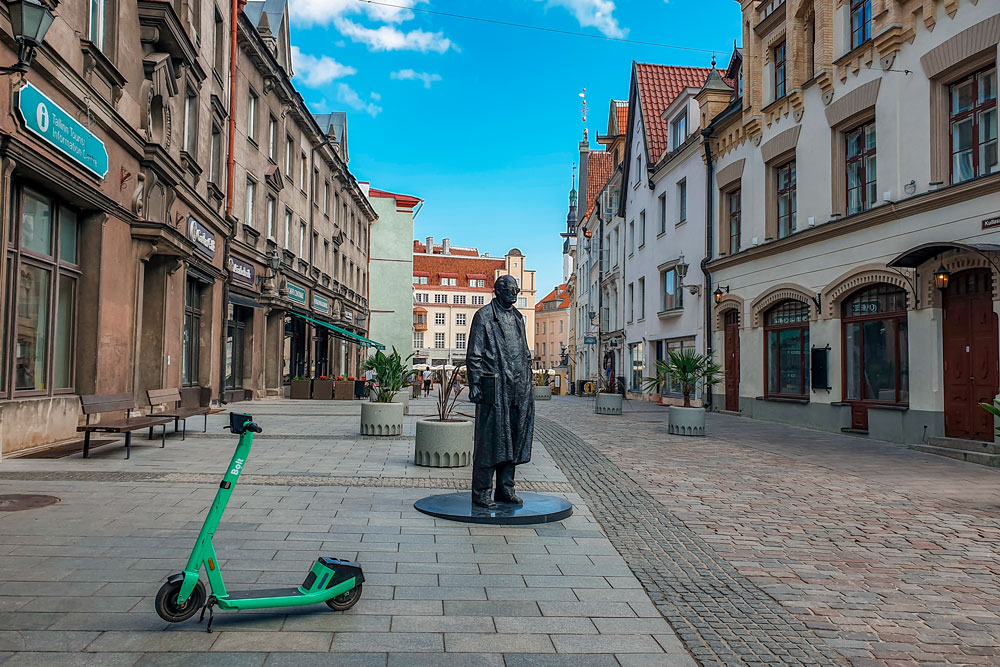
[77, 578]
[883, 554]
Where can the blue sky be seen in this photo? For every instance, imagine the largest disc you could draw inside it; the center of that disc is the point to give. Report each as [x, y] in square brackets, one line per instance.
[482, 121]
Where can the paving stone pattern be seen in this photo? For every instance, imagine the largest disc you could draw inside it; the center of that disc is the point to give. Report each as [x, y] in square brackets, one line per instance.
[721, 616]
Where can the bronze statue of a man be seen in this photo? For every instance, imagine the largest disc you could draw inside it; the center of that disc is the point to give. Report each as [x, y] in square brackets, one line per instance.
[498, 364]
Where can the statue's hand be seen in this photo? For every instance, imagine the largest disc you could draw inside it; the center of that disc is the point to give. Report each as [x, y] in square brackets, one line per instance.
[475, 394]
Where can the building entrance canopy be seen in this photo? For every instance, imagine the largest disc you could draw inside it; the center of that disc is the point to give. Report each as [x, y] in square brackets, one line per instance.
[343, 333]
[914, 257]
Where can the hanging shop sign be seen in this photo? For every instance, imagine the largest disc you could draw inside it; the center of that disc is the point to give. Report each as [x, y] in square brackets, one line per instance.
[296, 293]
[241, 271]
[348, 314]
[590, 340]
[54, 125]
[321, 304]
[204, 240]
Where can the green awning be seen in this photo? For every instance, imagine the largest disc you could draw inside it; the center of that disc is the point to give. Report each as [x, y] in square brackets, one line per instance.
[344, 333]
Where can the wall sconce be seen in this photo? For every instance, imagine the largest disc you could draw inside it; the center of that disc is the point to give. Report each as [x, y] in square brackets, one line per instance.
[941, 277]
[29, 21]
[717, 294]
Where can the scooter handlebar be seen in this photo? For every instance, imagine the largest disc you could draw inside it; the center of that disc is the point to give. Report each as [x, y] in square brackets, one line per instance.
[254, 428]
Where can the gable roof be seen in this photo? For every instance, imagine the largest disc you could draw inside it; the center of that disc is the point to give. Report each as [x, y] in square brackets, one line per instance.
[621, 109]
[559, 294]
[600, 166]
[658, 87]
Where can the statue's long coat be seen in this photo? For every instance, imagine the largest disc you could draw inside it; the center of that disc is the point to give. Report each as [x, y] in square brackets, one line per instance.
[490, 352]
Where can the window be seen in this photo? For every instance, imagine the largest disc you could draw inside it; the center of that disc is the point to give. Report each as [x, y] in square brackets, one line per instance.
[459, 298]
[615, 245]
[440, 318]
[642, 228]
[786, 199]
[640, 297]
[522, 302]
[422, 297]
[678, 130]
[336, 206]
[326, 198]
[786, 350]
[451, 282]
[876, 345]
[973, 115]
[289, 150]
[250, 200]
[271, 203]
[861, 194]
[662, 207]
[418, 340]
[440, 298]
[192, 333]
[682, 201]
[219, 60]
[735, 214]
[543, 350]
[637, 362]
[215, 159]
[302, 239]
[561, 322]
[272, 138]
[252, 115]
[861, 22]
[638, 170]
[439, 341]
[631, 302]
[302, 171]
[779, 70]
[631, 237]
[671, 296]
[98, 22]
[477, 283]
[41, 287]
[460, 341]
[288, 229]
[460, 319]
[671, 386]
[190, 122]
[478, 300]
[419, 280]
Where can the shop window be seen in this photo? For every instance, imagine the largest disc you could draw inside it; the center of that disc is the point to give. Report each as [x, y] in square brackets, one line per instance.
[778, 54]
[861, 186]
[735, 219]
[41, 291]
[876, 345]
[786, 350]
[637, 359]
[785, 179]
[861, 22]
[973, 116]
[239, 316]
[192, 333]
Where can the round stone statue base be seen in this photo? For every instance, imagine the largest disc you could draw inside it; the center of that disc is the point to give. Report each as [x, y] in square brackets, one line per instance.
[537, 508]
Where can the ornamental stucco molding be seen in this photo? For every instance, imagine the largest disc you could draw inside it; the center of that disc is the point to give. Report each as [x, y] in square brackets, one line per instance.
[728, 302]
[930, 295]
[982, 36]
[778, 293]
[859, 277]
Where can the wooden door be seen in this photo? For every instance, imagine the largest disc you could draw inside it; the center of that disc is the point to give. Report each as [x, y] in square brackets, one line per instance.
[970, 355]
[732, 360]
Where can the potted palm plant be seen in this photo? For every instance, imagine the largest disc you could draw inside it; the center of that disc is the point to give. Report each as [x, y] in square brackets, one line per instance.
[301, 387]
[607, 400]
[380, 416]
[687, 368]
[542, 390]
[444, 441]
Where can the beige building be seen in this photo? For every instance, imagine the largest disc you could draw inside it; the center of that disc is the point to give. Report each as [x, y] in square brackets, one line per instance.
[450, 283]
[854, 155]
[552, 319]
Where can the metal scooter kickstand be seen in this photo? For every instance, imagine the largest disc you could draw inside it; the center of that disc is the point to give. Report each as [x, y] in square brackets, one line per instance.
[211, 614]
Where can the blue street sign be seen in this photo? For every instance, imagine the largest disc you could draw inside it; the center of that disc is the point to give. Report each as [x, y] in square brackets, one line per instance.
[46, 119]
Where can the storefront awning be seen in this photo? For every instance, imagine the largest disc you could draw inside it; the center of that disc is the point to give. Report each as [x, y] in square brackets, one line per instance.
[343, 333]
[241, 300]
[914, 257]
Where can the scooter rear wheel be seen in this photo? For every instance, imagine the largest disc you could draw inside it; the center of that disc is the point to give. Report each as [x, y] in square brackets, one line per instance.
[346, 600]
[166, 602]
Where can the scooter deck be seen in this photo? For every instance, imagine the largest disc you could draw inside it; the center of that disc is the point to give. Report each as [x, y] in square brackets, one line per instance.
[263, 593]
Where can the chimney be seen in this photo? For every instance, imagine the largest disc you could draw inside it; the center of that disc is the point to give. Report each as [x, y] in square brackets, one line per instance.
[486, 254]
[430, 245]
[445, 246]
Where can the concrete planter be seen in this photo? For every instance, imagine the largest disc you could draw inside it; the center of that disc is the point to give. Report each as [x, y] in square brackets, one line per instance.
[686, 421]
[542, 393]
[323, 390]
[343, 390]
[608, 404]
[300, 389]
[444, 444]
[404, 398]
[381, 418]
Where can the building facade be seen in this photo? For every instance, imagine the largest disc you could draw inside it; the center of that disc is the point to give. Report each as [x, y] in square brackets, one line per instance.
[855, 169]
[392, 261]
[552, 329]
[449, 284]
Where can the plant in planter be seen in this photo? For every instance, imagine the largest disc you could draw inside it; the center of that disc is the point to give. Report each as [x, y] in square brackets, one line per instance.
[607, 400]
[301, 387]
[542, 390]
[322, 388]
[342, 389]
[380, 416]
[443, 441]
[687, 368]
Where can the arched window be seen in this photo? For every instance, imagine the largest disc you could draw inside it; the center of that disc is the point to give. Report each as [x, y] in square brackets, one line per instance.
[786, 350]
[876, 350]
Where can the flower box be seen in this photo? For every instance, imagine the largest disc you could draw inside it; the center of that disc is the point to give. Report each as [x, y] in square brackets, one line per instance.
[301, 389]
[323, 389]
[343, 390]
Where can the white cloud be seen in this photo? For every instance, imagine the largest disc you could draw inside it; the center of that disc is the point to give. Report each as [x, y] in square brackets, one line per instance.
[315, 72]
[349, 96]
[375, 96]
[412, 75]
[593, 14]
[389, 38]
[324, 11]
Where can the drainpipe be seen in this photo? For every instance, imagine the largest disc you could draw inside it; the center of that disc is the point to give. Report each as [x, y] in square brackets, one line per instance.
[237, 7]
[706, 135]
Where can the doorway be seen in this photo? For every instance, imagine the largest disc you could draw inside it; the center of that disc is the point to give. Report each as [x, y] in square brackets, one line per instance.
[970, 355]
[732, 359]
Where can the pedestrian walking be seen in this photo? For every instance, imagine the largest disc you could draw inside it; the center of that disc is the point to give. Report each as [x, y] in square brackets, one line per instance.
[428, 381]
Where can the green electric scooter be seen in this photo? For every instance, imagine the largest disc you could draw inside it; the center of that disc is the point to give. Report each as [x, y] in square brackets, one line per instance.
[336, 582]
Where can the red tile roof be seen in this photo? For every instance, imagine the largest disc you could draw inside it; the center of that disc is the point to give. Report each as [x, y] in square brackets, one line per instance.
[404, 203]
[464, 252]
[621, 109]
[600, 166]
[560, 293]
[659, 86]
[453, 265]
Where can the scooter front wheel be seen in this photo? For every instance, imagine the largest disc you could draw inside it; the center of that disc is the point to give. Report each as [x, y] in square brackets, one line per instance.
[166, 602]
[345, 601]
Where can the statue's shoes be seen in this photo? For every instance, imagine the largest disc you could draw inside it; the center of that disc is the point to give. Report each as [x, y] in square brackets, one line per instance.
[484, 504]
[512, 499]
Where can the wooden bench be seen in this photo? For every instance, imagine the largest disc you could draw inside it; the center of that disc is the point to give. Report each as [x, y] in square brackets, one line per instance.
[175, 411]
[102, 403]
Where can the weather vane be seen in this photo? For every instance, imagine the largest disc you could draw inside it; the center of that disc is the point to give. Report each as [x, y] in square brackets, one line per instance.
[583, 106]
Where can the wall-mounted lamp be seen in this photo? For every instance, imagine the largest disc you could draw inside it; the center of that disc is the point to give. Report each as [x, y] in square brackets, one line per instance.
[717, 294]
[29, 21]
[274, 262]
[941, 277]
